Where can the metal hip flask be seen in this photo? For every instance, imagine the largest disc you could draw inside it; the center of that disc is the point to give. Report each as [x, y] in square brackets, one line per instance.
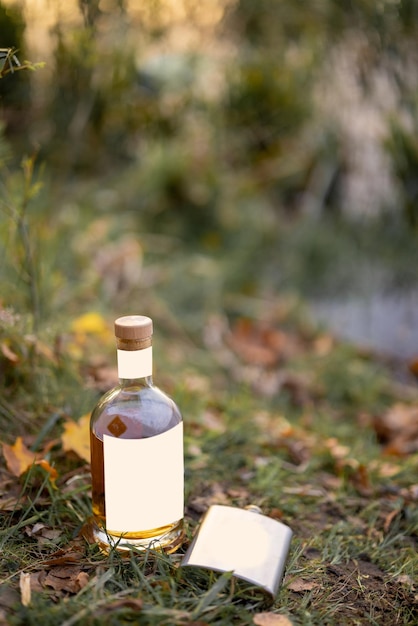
[251, 545]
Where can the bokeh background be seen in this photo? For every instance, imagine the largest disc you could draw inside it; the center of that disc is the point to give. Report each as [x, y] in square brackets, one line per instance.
[193, 158]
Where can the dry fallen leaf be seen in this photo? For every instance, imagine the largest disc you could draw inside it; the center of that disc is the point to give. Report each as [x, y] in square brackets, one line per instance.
[404, 579]
[35, 529]
[336, 450]
[76, 437]
[8, 353]
[11, 497]
[261, 343]
[386, 470]
[18, 457]
[398, 429]
[134, 604]
[53, 474]
[389, 519]
[413, 366]
[410, 493]
[25, 588]
[271, 619]
[212, 420]
[100, 375]
[299, 585]
[36, 581]
[66, 578]
[69, 556]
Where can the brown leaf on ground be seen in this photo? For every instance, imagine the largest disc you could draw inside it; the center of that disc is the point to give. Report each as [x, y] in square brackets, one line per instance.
[36, 581]
[397, 429]
[277, 432]
[101, 376]
[259, 343]
[271, 619]
[32, 531]
[214, 494]
[62, 557]
[410, 494]
[300, 585]
[255, 351]
[11, 498]
[43, 534]
[404, 579]
[360, 478]
[212, 420]
[76, 437]
[413, 367]
[129, 603]
[65, 556]
[389, 519]
[68, 578]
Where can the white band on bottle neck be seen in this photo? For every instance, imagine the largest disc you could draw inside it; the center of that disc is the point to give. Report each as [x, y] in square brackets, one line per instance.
[135, 363]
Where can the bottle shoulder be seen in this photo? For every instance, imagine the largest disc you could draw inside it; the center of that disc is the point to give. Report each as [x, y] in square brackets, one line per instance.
[134, 411]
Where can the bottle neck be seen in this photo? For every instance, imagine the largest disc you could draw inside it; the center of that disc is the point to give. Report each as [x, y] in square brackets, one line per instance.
[136, 383]
[135, 361]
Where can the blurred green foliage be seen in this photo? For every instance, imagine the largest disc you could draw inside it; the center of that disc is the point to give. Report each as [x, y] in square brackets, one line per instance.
[15, 87]
[225, 149]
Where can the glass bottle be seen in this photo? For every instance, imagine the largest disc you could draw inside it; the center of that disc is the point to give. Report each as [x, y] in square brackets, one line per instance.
[136, 442]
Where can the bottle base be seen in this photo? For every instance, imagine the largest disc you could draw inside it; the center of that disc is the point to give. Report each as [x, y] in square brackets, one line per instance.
[167, 541]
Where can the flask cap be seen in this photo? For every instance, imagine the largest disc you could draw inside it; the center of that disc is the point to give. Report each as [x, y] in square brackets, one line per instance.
[133, 327]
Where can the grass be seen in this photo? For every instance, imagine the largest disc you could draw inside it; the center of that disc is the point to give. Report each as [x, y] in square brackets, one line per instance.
[309, 457]
[278, 413]
[202, 231]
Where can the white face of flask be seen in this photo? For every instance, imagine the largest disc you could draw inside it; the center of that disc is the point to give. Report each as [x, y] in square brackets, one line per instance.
[252, 546]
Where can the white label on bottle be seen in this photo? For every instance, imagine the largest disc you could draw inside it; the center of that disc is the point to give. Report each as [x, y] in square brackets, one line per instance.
[135, 363]
[144, 481]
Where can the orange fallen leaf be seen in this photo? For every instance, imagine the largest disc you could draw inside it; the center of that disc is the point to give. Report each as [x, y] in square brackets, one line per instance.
[18, 457]
[53, 474]
[76, 437]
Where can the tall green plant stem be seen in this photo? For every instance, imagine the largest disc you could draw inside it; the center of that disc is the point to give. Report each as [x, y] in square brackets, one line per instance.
[30, 189]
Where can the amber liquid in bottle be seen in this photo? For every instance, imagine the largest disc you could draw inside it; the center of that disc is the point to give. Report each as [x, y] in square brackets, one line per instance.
[134, 410]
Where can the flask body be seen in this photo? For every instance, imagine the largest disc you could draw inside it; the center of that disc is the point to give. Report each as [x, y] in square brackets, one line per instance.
[136, 441]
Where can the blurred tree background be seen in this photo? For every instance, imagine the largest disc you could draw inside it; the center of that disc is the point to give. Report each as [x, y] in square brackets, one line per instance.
[185, 157]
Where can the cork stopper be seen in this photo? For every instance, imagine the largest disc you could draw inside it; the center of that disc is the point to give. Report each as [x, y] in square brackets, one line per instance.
[133, 327]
